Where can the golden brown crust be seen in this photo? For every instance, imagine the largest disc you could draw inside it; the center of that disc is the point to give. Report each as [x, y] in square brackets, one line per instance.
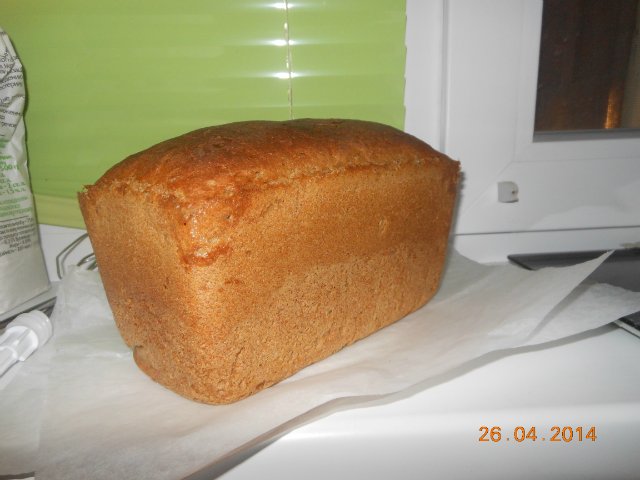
[235, 255]
[226, 158]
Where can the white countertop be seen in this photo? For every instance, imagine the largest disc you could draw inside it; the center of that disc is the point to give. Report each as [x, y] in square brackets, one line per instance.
[591, 381]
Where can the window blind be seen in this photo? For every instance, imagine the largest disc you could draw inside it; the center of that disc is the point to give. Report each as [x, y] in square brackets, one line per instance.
[107, 79]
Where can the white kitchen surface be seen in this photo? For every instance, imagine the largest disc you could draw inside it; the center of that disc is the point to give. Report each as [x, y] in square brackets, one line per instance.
[592, 380]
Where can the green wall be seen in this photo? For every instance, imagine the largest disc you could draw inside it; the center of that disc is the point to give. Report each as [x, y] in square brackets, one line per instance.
[107, 79]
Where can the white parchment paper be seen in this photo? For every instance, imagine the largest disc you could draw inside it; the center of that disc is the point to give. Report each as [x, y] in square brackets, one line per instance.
[103, 418]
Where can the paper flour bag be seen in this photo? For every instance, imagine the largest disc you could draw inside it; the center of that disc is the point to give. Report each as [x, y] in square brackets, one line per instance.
[23, 273]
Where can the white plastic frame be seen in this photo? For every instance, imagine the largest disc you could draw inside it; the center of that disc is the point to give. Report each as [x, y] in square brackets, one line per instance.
[478, 64]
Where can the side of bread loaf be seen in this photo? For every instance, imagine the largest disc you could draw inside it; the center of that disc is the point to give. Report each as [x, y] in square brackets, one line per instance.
[234, 256]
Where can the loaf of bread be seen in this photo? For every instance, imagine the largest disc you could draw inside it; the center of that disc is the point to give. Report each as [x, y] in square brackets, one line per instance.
[233, 256]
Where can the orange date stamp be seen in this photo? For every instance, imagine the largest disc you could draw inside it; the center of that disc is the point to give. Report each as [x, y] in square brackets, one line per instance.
[520, 434]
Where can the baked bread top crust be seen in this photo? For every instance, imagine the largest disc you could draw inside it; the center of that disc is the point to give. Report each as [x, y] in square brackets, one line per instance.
[205, 179]
[257, 153]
